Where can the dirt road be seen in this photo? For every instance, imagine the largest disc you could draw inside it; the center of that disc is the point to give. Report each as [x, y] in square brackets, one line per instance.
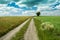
[31, 33]
[9, 35]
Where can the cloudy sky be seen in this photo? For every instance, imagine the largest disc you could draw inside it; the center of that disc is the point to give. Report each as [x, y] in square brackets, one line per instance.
[29, 7]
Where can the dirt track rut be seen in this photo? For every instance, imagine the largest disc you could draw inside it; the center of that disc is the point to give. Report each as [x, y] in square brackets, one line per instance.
[31, 33]
[10, 34]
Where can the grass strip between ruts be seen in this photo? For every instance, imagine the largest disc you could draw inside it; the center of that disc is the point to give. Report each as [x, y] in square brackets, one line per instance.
[20, 35]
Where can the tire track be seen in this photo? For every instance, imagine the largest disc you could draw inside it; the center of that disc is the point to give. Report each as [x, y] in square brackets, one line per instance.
[9, 35]
[31, 33]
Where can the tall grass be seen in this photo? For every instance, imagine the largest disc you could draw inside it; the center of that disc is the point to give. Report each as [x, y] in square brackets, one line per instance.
[9, 23]
[47, 35]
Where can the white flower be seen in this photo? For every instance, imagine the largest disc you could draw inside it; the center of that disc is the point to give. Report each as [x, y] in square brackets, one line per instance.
[47, 26]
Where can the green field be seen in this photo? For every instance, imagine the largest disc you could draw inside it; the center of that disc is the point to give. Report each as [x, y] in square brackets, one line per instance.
[47, 35]
[9, 23]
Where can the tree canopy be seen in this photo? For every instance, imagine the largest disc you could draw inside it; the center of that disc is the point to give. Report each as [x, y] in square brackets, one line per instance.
[38, 13]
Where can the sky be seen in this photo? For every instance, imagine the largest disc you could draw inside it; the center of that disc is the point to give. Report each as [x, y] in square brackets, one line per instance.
[29, 7]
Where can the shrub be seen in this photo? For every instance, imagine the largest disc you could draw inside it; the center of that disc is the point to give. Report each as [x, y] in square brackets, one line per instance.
[47, 26]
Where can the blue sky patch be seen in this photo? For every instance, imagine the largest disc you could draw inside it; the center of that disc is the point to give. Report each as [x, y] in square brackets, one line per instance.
[13, 4]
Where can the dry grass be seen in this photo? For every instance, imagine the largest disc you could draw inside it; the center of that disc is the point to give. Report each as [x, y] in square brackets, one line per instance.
[9, 23]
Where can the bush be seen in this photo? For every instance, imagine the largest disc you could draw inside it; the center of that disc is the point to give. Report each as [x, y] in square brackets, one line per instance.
[47, 26]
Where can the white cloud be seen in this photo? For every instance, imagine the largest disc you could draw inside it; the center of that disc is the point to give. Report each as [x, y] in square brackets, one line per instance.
[51, 13]
[29, 13]
[8, 11]
[21, 5]
[58, 7]
[11, 11]
[43, 8]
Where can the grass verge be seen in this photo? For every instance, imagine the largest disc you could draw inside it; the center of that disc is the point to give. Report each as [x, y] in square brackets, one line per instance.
[47, 35]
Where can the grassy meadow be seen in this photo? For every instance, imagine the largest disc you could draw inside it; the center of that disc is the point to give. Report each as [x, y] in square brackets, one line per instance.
[48, 35]
[9, 23]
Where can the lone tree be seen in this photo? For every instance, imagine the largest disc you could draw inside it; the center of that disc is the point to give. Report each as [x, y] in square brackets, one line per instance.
[38, 13]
